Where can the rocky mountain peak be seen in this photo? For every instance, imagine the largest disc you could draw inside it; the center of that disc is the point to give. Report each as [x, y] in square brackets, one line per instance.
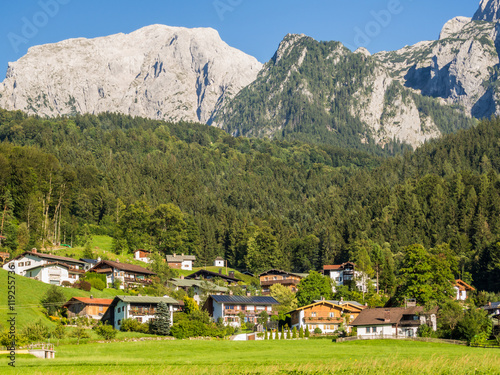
[159, 72]
[453, 26]
[489, 10]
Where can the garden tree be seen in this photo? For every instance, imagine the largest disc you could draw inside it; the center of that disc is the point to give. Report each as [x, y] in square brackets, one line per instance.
[424, 276]
[263, 318]
[307, 333]
[301, 332]
[475, 322]
[262, 250]
[79, 333]
[313, 287]
[286, 298]
[53, 300]
[160, 267]
[161, 322]
[105, 331]
[449, 315]
[35, 331]
[294, 332]
[190, 305]
[168, 228]
[282, 336]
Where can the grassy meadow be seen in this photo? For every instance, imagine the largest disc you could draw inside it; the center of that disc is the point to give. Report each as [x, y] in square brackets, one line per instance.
[262, 357]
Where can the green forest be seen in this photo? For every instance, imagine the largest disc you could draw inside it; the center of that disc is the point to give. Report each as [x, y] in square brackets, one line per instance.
[261, 204]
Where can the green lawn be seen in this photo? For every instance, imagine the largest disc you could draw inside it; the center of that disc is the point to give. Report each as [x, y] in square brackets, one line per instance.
[263, 357]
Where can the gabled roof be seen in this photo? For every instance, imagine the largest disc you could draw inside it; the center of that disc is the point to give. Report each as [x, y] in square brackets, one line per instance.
[462, 285]
[180, 258]
[51, 264]
[276, 271]
[50, 257]
[245, 300]
[337, 267]
[492, 306]
[348, 307]
[123, 267]
[89, 261]
[183, 283]
[88, 301]
[210, 274]
[340, 303]
[145, 299]
[386, 316]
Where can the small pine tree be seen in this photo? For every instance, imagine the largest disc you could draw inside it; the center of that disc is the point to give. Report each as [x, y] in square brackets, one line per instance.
[294, 333]
[301, 333]
[282, 333]
[307, 333]
[265, 335]
[288, 336]
[161, 323]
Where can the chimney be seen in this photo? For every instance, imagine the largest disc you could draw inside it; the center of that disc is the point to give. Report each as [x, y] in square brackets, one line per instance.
[387, 316]
[230, 292]
[182, 254]
[182, 277]
[341, 299]
[99, 259]
[220, 271]
[175, 255]
[489, 304]
[231, 274]
[91, 296]
[34, 250]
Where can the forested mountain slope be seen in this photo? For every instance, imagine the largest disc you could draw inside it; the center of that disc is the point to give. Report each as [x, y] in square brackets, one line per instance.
[261, 204]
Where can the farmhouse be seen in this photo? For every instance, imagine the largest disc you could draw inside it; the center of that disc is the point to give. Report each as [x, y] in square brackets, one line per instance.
[325, 315]
[230, 309]
[90, 307]
[54, 273]
[346, 274]
[462, 289]
[219, 262]
[287, 279]
[208, 275]
[142, 256]
[396, 321]
[28, 260]
[129, 275]
[89, 263]
[181, 262]
[139, 308]
[199, 287]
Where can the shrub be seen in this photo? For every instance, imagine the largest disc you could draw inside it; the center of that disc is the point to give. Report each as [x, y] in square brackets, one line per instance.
[117, 284]
[307, 333]
[132, 325]
[105, 331]
[301, 332]
[53, 300]
[294, 333]
[318, 331]
[85, 285]
[425, 331]
[59, 332]
[66, 284]
[35, 331]
[97, 284]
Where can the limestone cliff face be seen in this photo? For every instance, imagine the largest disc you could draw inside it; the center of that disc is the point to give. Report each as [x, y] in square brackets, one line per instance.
[158, 72]
[489, 10]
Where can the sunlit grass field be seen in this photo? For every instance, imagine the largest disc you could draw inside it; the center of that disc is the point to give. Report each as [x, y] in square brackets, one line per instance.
[262, 357]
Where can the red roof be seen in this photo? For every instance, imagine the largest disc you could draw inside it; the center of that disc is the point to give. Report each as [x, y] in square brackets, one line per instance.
[90, 301]
[332, 268]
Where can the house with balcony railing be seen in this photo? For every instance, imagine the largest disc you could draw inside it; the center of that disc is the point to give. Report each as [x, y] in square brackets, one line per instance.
[288, 279]
[129, 275]
[347, 274]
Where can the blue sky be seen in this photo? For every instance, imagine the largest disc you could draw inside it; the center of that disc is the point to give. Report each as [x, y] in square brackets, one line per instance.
[253, 26]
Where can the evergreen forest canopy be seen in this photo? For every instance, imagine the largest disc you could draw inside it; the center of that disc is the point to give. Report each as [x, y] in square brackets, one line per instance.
[261, 204]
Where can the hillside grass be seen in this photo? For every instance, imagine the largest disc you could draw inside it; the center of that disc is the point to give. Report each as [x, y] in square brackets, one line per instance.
[262, 357]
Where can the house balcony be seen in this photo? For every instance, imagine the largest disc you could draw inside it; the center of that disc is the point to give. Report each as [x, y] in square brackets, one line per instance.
[131, 280]
[253, 313]
[410, 323]
[323, 320]
[282, 282]
[141, 311]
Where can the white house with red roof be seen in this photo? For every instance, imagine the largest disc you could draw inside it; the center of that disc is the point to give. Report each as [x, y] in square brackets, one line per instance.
[345, 274]
[142, 256]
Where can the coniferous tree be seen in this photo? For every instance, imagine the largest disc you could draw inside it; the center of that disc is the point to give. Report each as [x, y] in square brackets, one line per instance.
[161, 322]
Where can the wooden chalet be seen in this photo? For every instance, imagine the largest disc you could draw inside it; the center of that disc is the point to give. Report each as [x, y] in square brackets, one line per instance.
[91, 307]
[462, 290]
[129, 275]
[288, 279]
[208, 275]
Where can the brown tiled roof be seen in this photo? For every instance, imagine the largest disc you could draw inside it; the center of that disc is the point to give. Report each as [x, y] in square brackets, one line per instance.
[50, 257]
[124, 267]
[49, 265]
[378, 316]
[337, 266]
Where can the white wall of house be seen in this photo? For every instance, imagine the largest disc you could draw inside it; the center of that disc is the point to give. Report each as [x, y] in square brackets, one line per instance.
[219, 263]
[187, 265]
[123, 311]
[22, 264]
[460, 295]
[54, 275]
[376, 330]
[142, 259]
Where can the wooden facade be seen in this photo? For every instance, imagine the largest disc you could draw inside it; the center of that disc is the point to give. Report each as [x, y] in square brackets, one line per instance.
[94, 308]
[287, 279]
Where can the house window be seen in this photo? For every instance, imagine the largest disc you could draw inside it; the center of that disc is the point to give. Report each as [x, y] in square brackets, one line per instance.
[275, 278]
[21, 264]
[374, 329]
[139, 319]
[367, 329]
[27, 264]
[101, 308]
[119, 309]
[119, 321]
[332, 315]
[313, 314]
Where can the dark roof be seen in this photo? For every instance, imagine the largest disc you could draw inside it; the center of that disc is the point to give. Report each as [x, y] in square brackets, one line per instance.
[180, 258]
[244, 300]
[337, 266]
[50, 257]
[90, 261]
[205, 273]
[492, 306]
[146, 299]
[49, 265]
[276, 271]
[377, 316]
[123, 267]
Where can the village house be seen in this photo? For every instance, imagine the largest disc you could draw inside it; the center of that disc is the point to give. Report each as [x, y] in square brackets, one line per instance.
[325, 315]
[140, 308]
[209, 275]
[181, 262]
[462, 290]
[93, 308]
[142, 256]
[346, 274]
[128, 275]
[288, 279]
[30, 259]
[89, 263]
[393, 322]
[219, 262]
[199, 287]
[230, 309]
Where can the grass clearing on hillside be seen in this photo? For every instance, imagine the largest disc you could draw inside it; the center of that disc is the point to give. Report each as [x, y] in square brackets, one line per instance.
[263, 357]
